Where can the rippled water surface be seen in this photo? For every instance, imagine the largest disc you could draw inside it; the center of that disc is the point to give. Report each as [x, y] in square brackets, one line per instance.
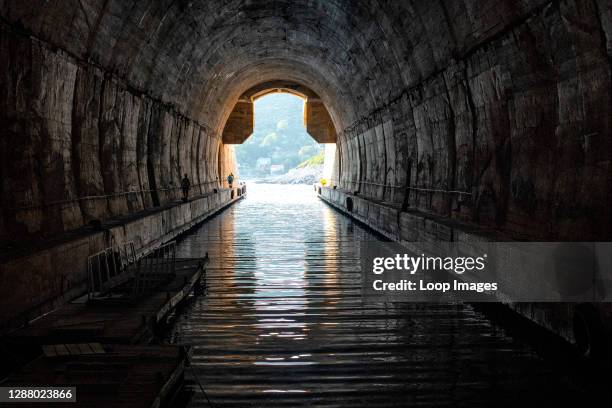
[283, 323]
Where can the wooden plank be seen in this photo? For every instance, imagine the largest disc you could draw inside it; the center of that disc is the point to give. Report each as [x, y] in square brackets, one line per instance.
[49, 350]
[126, 376]
[73, 349]
[113, 321]
[97, 348]
[84, 348]
[61, 350]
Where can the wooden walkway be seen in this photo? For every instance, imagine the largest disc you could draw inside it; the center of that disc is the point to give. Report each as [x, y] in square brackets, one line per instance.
[120, 377]
[113, 321]
[101, 346]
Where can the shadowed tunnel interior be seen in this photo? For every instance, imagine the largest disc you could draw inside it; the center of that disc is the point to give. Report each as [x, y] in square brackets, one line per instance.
[505, 101]
[484, 117]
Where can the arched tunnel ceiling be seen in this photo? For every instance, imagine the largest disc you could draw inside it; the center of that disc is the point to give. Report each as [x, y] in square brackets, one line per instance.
[266, 88]
[201, 55]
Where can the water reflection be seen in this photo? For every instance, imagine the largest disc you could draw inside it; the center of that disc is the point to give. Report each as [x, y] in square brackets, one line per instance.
[283, 323]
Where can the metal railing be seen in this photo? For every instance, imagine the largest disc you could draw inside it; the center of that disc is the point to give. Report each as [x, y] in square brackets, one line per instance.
[109, 268]
[154, 268]
[422, 189]
[106, 196]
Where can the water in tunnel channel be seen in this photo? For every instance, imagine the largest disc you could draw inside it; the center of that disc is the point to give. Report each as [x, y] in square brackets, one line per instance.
[283, 323]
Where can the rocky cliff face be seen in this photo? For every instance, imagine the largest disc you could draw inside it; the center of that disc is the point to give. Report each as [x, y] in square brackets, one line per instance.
[492, 112]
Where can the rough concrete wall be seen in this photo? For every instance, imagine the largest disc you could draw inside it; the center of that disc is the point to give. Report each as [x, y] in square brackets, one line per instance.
[239, 125]
[317, 121]
[78, 145]
[85, 142]
[227, 164]
[37, 90]
[212, 147]
[115, 106]
[520, 123]
[142, 152]
[488, 111]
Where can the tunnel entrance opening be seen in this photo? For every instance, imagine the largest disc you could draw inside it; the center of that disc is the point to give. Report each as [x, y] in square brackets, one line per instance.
[316, 118]
[264, 156]
[280, 148]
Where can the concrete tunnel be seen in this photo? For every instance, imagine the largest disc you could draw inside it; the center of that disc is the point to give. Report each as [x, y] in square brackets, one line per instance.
[450, 117]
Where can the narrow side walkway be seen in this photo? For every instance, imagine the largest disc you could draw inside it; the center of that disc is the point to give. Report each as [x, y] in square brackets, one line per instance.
[283, 324]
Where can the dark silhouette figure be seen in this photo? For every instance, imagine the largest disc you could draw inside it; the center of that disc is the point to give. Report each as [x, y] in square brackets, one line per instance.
[185, 185]
[230, 179]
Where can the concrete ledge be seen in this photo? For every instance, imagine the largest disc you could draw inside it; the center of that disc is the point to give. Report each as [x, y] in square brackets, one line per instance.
[38, 282]
[405, 226]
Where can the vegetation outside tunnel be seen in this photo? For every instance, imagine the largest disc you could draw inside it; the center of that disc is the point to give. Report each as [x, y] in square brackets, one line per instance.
[279, 138]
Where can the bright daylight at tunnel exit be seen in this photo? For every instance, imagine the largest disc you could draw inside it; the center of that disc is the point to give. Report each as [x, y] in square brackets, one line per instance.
[291, 203]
